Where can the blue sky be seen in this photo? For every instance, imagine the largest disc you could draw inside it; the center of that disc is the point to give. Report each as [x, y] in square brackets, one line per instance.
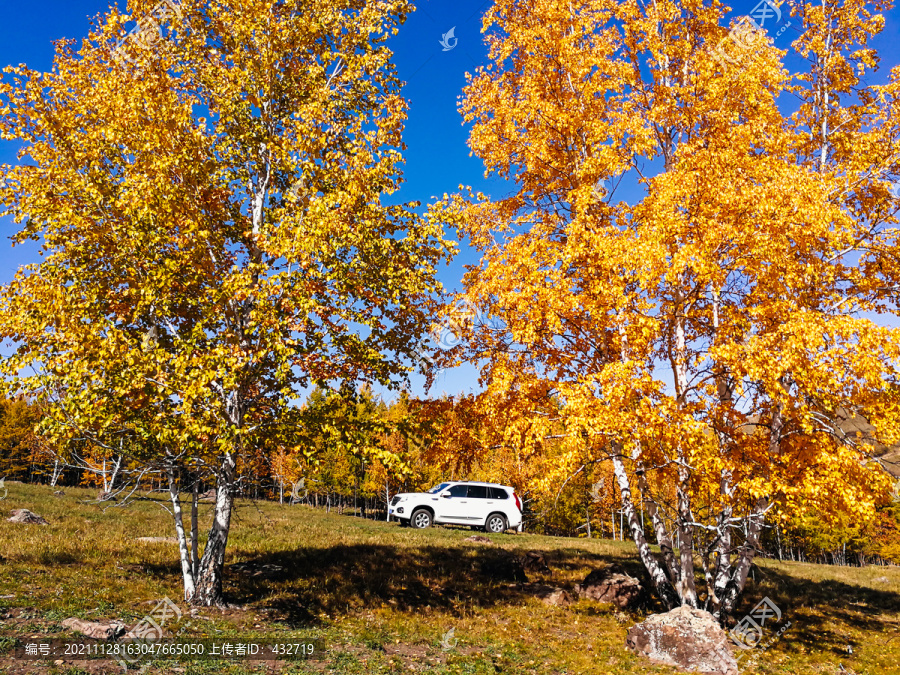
[437, 158]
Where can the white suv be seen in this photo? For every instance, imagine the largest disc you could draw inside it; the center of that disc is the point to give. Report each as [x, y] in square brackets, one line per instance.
[485, 505]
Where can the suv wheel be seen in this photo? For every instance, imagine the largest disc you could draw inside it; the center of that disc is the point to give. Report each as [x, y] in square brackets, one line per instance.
[420, 519]
[495, 523]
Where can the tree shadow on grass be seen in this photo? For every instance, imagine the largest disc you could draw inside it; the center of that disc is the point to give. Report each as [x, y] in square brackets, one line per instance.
[312, 581]
[302, 584]
[817, 609]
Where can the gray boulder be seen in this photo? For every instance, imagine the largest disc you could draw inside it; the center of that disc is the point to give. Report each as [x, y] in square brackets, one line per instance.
[686, 638]
[553, 595]
[26, 516]
[99, 631]
[533, 561]
[611, 584]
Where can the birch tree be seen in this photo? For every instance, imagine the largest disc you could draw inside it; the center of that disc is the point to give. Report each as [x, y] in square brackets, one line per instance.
[709, 333]
[208, 196]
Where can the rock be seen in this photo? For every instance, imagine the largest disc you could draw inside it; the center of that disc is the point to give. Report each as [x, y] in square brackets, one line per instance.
[59, 493]
[157, 540]
[106, 497]
[534, 562]
[99, 631]
[686, 638]
[610, 584]
[507, 568]
[882, 580]
[26, 516]
[478, 539]
[208, 495]
[553, 596]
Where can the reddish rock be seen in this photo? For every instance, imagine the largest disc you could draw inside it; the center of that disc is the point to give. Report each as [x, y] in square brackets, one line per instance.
[534, 562]
[26, 516]
[553, 596]
[99, 631]
[686, 638]
[505, 568]
[610, 584]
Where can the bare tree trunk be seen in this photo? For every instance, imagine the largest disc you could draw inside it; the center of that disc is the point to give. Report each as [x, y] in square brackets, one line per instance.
[722, 546]
[686, 587]
[664, 588]
[745, 558]
[754, 524]
[57, 470]
[659, 527]
[212, 564]
[116, 468]
[195, 529]
[187, 572]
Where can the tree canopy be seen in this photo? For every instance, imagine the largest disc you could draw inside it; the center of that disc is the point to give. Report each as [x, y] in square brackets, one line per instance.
[709, 335]
[213, 229]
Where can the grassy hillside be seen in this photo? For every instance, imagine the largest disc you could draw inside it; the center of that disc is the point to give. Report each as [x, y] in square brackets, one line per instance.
[382, 597]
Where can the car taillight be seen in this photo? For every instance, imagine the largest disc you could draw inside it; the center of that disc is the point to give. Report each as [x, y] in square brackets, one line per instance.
[518, 501]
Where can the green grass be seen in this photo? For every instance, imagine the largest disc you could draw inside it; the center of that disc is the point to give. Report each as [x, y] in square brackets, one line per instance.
[381, 597]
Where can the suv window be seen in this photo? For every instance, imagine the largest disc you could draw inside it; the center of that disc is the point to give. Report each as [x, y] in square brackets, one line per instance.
[458, 491]
[498, 493]
[478, 492]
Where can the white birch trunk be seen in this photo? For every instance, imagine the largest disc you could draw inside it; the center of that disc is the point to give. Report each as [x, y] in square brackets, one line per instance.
[187, 572]
[664, 588]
